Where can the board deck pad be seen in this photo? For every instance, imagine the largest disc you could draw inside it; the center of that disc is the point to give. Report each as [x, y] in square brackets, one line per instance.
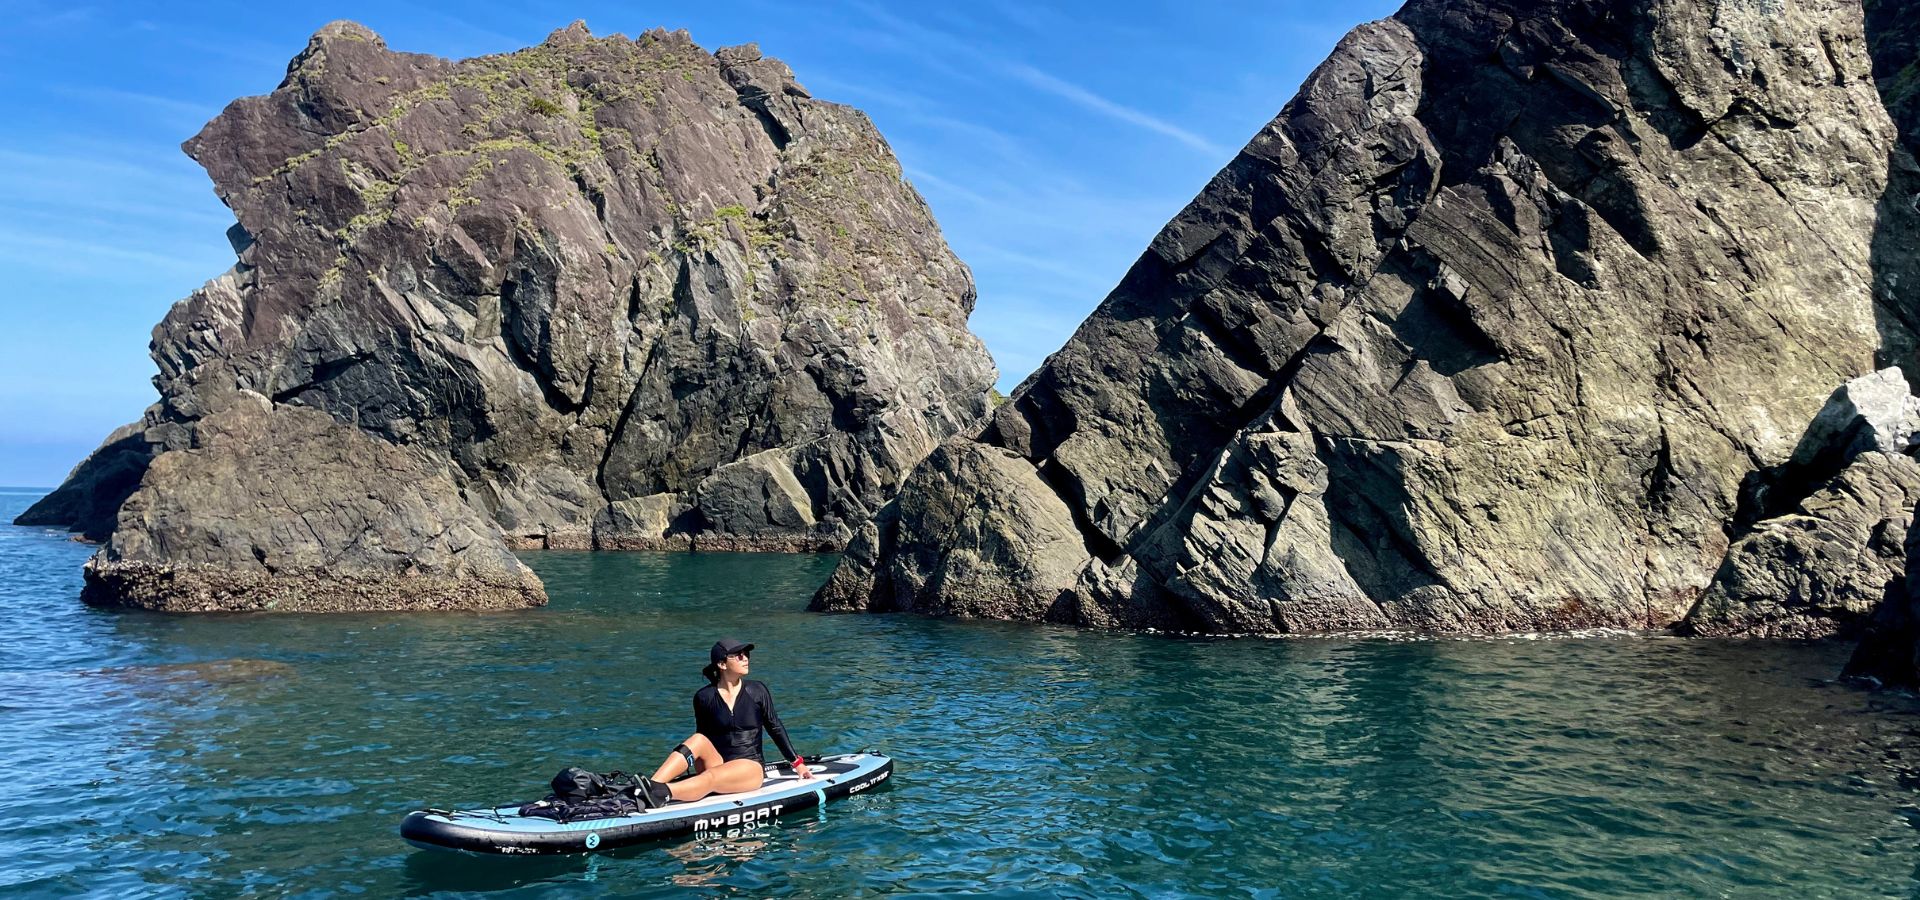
[502, 830]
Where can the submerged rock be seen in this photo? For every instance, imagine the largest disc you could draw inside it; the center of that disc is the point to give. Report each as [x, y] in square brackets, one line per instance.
[1484, 332]
[622, 293]
[212, 672]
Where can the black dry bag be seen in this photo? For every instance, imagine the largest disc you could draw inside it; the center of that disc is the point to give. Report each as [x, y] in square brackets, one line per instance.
[575, 783]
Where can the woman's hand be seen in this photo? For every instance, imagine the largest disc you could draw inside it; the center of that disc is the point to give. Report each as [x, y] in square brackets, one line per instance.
[800, 769]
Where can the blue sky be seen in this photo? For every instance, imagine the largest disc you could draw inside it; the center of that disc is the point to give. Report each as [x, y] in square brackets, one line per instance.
[1051, 139]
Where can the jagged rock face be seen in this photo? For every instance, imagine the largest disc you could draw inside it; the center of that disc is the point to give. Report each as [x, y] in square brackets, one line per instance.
[282, 508]
[1890, 651]
[1824, 566]
[1483, 332]
[1893, 39]
[590, 272]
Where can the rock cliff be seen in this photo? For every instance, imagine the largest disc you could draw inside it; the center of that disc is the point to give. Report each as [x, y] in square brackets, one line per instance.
[1517, 317]
[606, 292]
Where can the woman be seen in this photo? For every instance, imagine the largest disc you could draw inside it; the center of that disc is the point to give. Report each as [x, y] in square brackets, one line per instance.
[723, 755]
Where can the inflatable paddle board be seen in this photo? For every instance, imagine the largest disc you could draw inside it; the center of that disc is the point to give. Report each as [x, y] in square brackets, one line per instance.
[503, 831]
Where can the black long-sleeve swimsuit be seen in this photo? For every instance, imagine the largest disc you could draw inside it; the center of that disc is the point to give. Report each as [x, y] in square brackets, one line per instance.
[736, 732]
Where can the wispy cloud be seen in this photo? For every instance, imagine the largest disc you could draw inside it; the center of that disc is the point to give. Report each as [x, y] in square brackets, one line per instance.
[70, 254]
[16, 160]
[485, 39]
[923, 38]
[167, 107]
[1035, 19]
[923, 111]
[53, 16]
[1074, 275]
[106, 212]
[1085, 98]
[928, 179]
[253, 53]
[111, 95]
[116, 147]
[93, 174]
[1045, 202]
[821, 85]
[953, 61]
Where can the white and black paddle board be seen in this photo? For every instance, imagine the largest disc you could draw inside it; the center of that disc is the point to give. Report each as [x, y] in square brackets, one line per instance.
[503, 831]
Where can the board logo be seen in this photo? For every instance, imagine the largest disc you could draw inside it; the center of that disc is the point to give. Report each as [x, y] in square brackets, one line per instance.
[868, 783]
[735, 820]
[593, 840]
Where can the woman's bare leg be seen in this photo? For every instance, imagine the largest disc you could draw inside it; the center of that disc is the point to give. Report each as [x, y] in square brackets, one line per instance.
[704, 758]
[730, 777]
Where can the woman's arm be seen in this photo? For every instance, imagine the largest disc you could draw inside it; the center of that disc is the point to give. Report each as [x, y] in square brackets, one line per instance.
[774, 727]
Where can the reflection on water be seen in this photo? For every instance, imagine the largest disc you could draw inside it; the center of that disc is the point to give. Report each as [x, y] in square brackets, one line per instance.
[276, 754]
[708, 861]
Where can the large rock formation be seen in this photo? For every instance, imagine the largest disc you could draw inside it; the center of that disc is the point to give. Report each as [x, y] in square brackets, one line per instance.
[1486, 331]
[618, 293]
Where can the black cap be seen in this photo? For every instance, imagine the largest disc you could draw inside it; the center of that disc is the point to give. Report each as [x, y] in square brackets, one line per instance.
[726, 647]
[721, 650]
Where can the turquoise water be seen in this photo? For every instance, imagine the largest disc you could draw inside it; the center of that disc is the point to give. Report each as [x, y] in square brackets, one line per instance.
[241, 755]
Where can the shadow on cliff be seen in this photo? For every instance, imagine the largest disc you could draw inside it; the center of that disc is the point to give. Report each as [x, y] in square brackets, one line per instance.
[1887, 653]
[88, 502]
[1893, 41]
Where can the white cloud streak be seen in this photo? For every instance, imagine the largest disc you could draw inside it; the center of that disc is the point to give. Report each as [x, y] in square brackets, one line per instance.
[66, 254]
[1089, 100]
[921, 36]
[164, 105]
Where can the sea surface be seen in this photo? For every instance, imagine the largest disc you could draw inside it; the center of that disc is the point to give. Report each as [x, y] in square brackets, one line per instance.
[262, 755]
